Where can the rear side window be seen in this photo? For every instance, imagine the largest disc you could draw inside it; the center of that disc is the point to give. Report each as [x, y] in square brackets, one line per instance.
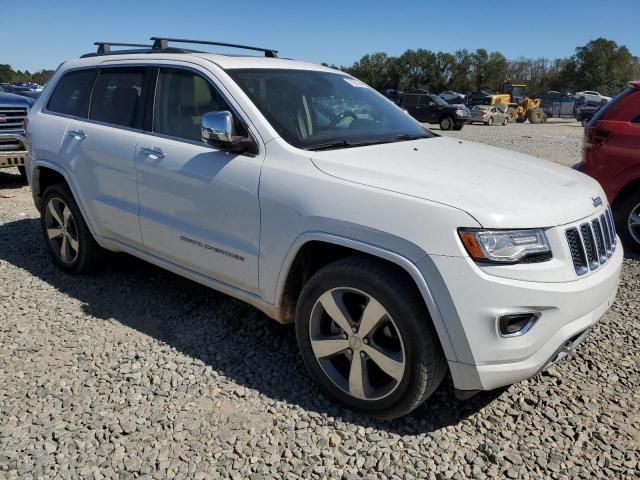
[71, 95]
[117, 97]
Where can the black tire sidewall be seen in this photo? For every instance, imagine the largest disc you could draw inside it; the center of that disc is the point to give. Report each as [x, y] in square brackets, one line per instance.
[85, 239]
[446, 123]
[404, 319]
[621, 214]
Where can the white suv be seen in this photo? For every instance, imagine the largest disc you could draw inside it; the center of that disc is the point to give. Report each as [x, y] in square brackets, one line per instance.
[400, 255]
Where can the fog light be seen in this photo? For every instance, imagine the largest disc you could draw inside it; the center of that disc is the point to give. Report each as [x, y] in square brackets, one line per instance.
[516, 324]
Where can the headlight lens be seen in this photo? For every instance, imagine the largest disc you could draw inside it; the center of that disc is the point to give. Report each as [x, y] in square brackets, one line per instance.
[461, 113]
[503, 246]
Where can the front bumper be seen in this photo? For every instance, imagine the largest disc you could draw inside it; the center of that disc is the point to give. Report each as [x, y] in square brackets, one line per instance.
[474, 300]
[15, 157]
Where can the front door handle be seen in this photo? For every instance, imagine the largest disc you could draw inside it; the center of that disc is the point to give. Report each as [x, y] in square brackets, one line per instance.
[77, 134]
[153, 153]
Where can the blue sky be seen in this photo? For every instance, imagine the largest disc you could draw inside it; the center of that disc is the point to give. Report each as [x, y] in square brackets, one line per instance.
[37, 34]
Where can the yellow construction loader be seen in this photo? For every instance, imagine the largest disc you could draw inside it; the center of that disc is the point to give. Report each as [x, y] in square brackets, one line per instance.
[519, 107]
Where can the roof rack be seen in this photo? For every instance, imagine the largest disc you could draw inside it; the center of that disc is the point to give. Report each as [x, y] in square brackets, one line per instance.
[161, 43]
[105, 47]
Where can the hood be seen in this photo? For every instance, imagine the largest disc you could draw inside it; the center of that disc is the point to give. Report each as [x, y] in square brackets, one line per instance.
[13, 100]
[499, 188]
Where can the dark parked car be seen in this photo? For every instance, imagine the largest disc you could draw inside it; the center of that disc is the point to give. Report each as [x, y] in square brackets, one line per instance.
[481, 97]
[611, 155]
[585, 114]
[430, 108]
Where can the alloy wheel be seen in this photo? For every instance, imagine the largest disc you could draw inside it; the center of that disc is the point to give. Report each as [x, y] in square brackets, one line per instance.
[357, 343]
[633, 223]
[62, 230]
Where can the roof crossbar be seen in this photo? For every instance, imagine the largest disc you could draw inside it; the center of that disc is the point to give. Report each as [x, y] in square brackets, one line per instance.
[161, 43]
[105, 47]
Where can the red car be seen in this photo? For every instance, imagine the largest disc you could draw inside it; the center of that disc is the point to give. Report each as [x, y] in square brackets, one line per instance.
[611, 155]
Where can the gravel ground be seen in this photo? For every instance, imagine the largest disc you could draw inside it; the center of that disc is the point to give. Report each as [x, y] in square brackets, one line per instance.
[558, 140]
[138, 373]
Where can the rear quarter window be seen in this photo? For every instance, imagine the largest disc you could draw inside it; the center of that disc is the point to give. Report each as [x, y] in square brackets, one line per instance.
[71, 94]
[624, 107]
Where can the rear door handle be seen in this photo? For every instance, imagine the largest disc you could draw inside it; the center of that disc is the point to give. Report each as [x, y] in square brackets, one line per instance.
[77, 134]
[153, 153]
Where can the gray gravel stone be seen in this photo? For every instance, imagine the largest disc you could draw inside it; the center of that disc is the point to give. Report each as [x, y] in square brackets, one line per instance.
[137, 373]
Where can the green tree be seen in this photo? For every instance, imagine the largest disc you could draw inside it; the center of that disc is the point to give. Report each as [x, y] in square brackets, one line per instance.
[604, 66]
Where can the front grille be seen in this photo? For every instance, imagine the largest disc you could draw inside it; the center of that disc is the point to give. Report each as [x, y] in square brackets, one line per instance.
[11, 118]
[592, 243]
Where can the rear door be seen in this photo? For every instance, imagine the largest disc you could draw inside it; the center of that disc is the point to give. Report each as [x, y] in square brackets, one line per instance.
[103, 148]
[198, 204]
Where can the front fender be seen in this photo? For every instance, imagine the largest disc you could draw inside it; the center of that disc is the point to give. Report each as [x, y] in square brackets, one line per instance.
[408, 260]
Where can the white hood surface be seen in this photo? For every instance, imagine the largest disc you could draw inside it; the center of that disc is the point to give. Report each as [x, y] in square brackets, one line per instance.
[499, 188]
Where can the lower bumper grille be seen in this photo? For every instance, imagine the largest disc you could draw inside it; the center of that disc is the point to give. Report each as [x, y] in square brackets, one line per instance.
[592, 243]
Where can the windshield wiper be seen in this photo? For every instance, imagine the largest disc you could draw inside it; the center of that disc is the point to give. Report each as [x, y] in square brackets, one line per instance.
[330, 145]
[349, 144]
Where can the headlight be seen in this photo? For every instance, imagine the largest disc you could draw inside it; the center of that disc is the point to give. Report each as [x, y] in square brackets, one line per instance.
[461, 113]
[503, 246]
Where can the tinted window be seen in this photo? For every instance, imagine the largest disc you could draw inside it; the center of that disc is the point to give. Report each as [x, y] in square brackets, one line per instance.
[117, 97]
[182, 97]
[71, 95]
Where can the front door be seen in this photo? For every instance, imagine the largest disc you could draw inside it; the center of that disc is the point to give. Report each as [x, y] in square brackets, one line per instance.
[198, 204]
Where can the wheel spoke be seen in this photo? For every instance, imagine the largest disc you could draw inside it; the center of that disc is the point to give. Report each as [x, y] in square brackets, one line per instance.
[73, 243]
[328, 347]
[55, 213]
[336, 310]
[634, 220]
[371, 317]
[388, 365]
[356, 377]
[54, 233]
[66, 215]
[65, 253]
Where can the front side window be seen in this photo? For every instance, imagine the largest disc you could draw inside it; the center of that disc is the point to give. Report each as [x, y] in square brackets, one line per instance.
[182, 97]
[71, 94]
[117, 97]
[314, 109]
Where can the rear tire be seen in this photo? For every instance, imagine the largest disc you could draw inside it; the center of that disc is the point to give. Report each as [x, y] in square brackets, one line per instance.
[505, 121]
[490, 122]
[627, 217]
[70, 243]
[446, 123]
[407, 364]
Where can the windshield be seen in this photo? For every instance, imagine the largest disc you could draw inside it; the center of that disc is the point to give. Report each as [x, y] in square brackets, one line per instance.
[313, 110]
[439, 101]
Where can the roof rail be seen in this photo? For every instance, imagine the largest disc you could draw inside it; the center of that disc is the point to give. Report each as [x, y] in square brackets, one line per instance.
[161, 43]
[105, 47]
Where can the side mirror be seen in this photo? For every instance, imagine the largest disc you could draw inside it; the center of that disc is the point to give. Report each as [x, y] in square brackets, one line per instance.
[218, 130]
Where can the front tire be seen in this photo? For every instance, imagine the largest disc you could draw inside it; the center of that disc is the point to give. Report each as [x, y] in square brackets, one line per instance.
[446, 123]
[627, 218]
[366, 337]
[70, 243]
[490, 122]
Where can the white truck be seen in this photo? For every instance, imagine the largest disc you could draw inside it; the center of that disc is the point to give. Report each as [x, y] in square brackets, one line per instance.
[13, 111]
[399, 254]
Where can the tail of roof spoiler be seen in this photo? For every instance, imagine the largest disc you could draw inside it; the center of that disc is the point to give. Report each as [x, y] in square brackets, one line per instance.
[635, 84]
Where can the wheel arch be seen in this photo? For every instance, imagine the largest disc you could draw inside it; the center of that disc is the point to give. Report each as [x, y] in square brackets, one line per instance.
[625, 191]
[45, 174]
[293, 274]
